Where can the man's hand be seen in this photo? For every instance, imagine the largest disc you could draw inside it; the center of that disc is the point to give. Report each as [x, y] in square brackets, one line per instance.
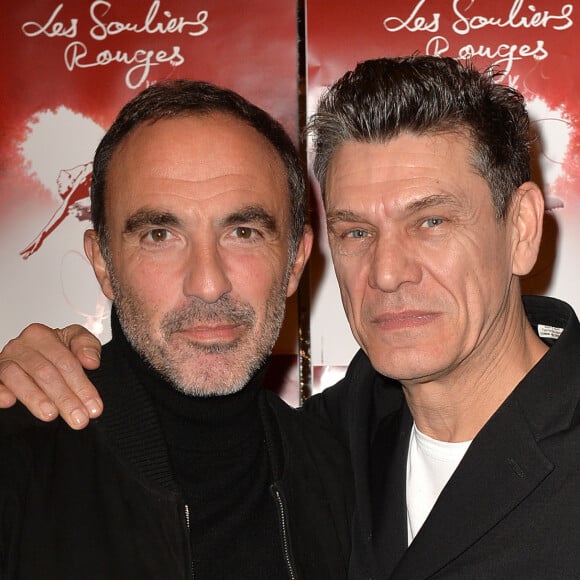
[43, 369]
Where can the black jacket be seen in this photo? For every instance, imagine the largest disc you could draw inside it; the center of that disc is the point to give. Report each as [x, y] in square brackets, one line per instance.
[103, 503]
[512, 507]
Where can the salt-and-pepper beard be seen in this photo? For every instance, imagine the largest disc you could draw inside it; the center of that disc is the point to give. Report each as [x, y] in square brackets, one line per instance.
[235, 361]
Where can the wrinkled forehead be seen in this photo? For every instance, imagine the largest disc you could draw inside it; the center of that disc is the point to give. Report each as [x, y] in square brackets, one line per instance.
[407, 166]
[461, 134]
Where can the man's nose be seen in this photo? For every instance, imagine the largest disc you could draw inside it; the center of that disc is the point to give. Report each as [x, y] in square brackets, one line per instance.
[206, 277]
[393, 263]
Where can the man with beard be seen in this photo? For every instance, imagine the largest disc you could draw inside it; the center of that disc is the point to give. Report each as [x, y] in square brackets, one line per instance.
[193, 469]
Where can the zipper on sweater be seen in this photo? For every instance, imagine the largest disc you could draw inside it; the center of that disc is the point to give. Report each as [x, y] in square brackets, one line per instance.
[283, 520]
[186, 510]
[186, 507]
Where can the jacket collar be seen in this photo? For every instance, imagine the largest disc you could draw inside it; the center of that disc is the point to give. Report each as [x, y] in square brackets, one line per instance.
[505, 462]
[549, 394]
[374, 405]
[130, 422]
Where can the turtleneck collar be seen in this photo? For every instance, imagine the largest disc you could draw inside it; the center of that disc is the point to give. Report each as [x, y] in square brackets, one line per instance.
[201, 424]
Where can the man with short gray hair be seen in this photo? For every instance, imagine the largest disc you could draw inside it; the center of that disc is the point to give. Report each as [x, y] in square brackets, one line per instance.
[461, 410]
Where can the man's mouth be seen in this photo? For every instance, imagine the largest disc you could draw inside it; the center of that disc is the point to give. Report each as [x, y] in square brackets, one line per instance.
[214, 332]
[404, 319]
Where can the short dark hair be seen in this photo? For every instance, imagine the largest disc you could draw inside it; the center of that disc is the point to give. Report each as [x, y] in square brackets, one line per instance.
[183, 98]
[384, 97]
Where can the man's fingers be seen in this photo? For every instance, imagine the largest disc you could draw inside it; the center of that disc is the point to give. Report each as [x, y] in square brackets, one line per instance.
[41, 372]
[7, 399]
[44, 392]
[87, 349]
[22, 387]
[84, 345]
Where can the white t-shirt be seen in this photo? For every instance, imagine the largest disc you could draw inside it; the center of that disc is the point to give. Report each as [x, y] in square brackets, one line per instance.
[430, 465]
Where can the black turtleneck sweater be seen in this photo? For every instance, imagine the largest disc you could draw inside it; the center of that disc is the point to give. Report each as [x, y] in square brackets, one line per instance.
[218, 453]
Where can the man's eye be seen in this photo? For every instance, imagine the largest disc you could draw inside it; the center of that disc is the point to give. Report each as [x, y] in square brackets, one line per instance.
[158, 235]
[356, 234]
[244, 232]
[432, 222]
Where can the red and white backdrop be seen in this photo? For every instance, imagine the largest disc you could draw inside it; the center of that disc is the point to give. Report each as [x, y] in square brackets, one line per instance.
[535, 43]
[69, 66]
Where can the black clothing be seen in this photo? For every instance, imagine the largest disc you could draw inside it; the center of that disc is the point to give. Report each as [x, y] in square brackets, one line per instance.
[217, 451]
[105, 503]
[512, 507]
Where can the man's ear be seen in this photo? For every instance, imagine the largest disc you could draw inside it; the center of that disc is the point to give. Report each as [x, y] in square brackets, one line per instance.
[527, 215]
[302, 255]
[93, 252]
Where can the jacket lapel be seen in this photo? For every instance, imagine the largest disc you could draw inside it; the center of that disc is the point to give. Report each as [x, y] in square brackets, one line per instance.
[388, 481]
[501, 468]
[373, 443]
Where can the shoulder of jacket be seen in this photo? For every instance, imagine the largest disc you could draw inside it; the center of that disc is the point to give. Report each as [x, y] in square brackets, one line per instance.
[294, 422]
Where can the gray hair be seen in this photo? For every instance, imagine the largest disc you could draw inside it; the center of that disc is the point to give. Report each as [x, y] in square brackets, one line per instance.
[382, 98]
